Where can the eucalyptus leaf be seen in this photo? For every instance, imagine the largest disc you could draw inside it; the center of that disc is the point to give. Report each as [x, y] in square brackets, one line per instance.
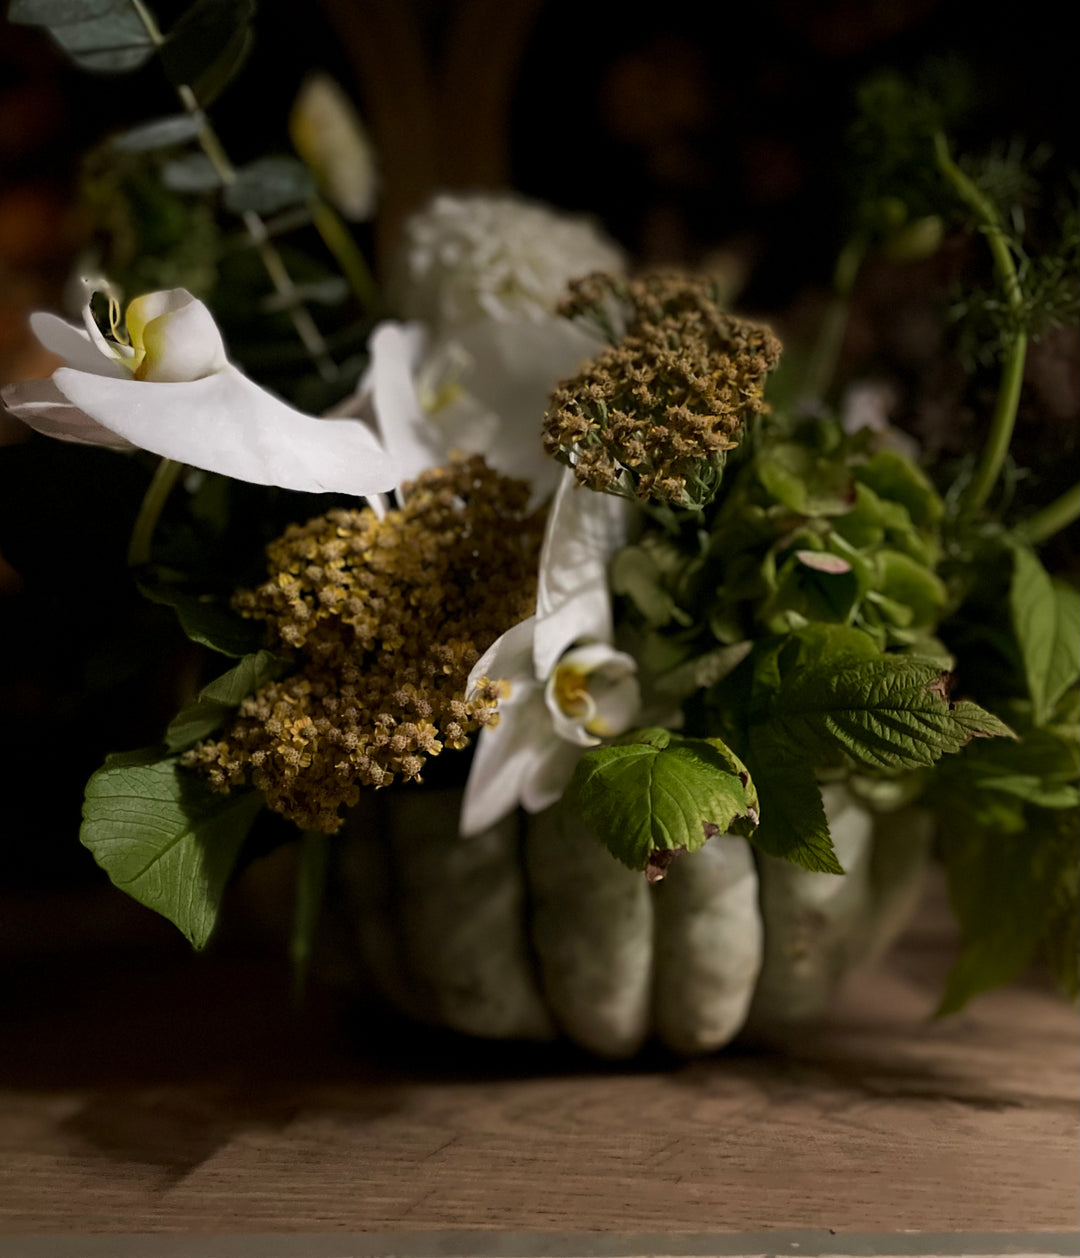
[208, 45]
[660, 792]
[165, 838]
[161, 133]
[268, 185]
[1046, 621]
[115, 41]
[193, 173]
[60, 12]
[213, 704]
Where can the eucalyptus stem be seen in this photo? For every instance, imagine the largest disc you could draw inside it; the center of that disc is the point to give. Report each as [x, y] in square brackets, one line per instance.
[305, 325]
[826, 353]
[165, 477]
[338, 239]
[1060, 513]
[1012, 371]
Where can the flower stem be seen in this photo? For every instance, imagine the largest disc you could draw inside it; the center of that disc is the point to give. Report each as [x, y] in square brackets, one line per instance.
[306, 328]
[1051, 519]
[830, 341]
[338, 239]
[157, 493]
[1012, 371]
[310, 889]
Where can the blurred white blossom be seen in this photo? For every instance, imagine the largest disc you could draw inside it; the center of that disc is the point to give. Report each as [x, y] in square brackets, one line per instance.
[479, 257]
[333, 143]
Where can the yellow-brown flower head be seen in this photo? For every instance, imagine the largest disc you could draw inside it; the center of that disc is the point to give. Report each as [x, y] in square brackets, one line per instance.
[653, 415]
[386, 618]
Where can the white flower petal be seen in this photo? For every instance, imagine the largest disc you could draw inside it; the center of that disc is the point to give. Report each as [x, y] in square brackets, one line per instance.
[41, 406]
[552, 769]
[407, 433]
[74, 345]
[505, 757]
[226, 423]
[508, 658]
[177, 335]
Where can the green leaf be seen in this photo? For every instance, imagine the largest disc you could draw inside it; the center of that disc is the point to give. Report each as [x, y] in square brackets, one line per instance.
[208, 45]
[268, 185]
[660, 792]
[896, 479]
[113, 42]
[60, 12]
[1012, 893]
[1046, 622]
[804, 481]
[165, 838]
[194, 173]
[793, 823]
[213, 704]
[885, 713]
[207, 620]
[161, 133]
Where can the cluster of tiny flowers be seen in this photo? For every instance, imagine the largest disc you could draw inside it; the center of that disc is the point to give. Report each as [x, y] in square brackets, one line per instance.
[483, 257]
[653, 415]
[386, 618]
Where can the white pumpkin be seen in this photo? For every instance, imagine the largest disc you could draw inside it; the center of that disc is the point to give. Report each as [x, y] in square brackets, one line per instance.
[532, 930]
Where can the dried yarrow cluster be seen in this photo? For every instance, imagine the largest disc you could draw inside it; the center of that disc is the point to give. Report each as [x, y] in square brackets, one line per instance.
[652, 416]
[386, 618]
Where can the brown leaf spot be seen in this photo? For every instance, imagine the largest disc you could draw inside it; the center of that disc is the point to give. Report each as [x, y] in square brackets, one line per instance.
[659, 860]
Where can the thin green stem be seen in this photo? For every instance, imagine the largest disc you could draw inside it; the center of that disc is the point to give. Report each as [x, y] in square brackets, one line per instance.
[310, 889]
[157, 493]
[1012, 370]
[338, 239]
[305, 325]
[1041, 526]
[826, 353]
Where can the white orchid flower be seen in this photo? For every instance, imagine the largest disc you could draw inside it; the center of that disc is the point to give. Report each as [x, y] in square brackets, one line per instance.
[483, 390]
[173, 392]
[569, 688]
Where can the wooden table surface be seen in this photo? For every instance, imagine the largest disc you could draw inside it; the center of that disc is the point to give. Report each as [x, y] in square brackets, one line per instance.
[144, 1091]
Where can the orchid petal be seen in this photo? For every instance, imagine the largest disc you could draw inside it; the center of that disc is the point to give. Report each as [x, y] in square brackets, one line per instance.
[509, 657]
[226, 423]
[75, 346]
[584, 530]
[407, 433]
[178, 336]
[505, 757]
[552, 770]
[41, 406]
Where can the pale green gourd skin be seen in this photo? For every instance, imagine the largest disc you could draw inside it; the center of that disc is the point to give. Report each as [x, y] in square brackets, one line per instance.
[532, 930]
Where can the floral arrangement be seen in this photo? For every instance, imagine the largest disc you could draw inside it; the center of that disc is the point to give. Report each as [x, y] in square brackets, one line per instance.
[587, 524]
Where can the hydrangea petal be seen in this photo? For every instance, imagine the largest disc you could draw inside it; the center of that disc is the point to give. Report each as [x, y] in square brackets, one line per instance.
[226, 423]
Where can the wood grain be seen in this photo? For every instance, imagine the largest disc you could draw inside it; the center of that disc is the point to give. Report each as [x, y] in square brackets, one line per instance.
[150, 1092]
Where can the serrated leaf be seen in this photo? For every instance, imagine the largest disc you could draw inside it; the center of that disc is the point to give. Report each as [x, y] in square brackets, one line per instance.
[113, 42]
[208, 621]
[1046, 621]
[885, 713]
[660, 792]
[1002, 887]
[213, 704]
[268, 185]
[161, 133]
[793, 824]
[166, 839]
[207, 46]
[194, 173]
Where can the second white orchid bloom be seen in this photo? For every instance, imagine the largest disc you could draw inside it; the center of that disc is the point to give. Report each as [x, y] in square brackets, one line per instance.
[569, 688]
[172, 391]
